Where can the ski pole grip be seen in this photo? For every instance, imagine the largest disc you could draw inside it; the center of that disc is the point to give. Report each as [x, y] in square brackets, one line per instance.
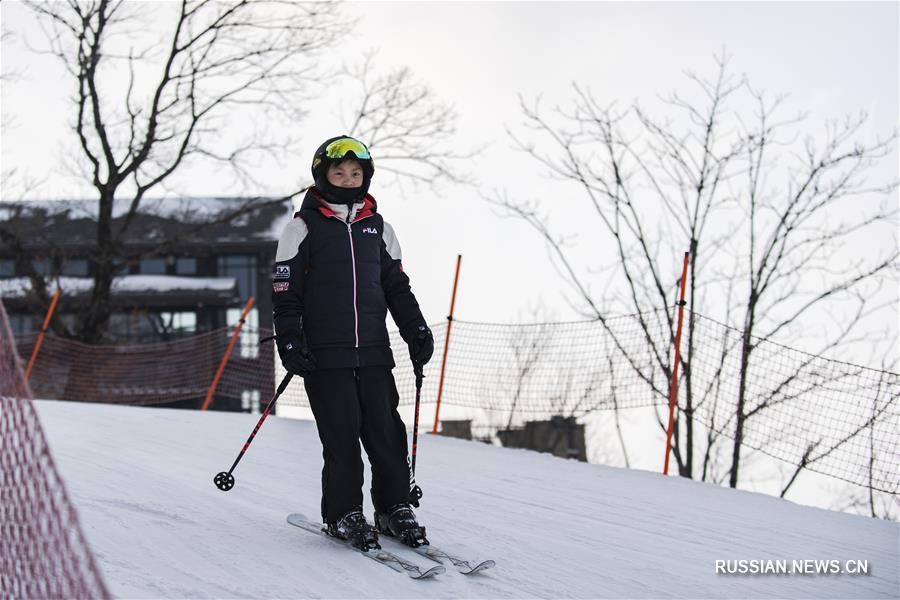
[284, 383]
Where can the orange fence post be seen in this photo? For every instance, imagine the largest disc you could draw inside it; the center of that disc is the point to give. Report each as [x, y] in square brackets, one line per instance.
[437, 408]
[234, 336]
[44, 328]
[673, 391]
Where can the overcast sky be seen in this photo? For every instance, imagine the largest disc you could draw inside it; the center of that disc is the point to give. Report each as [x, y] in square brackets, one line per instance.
[832, 58]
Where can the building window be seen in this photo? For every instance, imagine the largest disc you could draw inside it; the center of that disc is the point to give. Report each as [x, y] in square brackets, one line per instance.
[75, 267]
[131, 326]
[186, 265]
[146, 326]
[7, 267]
[249, 331]
[243, 268]
[153, 266]
[179, 323]
[250, 401]
[42, 266]
[22, 324]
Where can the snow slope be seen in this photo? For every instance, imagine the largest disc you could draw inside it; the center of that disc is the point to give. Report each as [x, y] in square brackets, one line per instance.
[141, 479]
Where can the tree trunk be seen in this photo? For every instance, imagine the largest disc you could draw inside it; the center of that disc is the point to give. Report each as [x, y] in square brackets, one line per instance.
[96, 318]
[688, 388]
[739, 410]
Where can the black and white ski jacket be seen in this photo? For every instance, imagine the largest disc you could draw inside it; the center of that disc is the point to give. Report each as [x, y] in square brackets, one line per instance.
[337, 273]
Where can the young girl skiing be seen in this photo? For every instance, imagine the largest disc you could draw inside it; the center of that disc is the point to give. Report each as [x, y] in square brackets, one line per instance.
[337, 273]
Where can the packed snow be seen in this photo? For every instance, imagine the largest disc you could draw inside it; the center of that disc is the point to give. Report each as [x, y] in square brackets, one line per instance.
[190, 209]
[18, 287]
[141, 479]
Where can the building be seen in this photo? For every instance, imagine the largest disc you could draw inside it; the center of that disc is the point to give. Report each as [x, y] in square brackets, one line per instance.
[196, 283]
[184, 268]
[560, 436]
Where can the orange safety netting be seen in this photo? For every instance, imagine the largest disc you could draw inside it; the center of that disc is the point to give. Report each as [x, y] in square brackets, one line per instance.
[43, 553]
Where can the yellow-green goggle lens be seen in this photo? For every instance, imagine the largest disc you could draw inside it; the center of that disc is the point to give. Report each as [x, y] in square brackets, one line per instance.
[340, 148]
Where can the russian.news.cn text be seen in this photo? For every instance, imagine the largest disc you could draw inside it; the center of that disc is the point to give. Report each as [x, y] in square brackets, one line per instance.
[792, 567]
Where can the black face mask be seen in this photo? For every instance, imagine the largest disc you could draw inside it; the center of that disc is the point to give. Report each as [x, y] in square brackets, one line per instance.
[340, 195]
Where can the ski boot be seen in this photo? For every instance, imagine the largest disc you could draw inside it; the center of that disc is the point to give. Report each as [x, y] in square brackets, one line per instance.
[399, 522]
[354, 528]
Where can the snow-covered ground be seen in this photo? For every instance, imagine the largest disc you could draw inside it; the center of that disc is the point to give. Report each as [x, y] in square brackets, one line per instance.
[141, 479]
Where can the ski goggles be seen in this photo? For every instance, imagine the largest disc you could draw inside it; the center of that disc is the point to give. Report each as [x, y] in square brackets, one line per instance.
[340, 148]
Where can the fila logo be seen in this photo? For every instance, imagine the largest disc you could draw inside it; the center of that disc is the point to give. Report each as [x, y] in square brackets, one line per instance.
[282, 272]
[370, 230]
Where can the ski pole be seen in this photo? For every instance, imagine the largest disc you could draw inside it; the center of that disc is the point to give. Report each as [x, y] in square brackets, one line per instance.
[415, 492]
[225, 480]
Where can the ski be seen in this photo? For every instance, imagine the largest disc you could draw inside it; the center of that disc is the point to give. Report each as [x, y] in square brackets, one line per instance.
[466, 567]
[380, 556]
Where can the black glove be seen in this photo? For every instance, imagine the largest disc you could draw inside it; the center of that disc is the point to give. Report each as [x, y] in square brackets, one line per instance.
[296, 357]
[421, 347]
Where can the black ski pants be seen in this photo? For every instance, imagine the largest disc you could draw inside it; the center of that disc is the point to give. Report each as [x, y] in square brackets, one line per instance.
[350, 405]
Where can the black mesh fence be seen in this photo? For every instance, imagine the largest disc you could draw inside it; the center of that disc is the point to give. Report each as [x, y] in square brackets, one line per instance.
[822, 415]
[828, 416]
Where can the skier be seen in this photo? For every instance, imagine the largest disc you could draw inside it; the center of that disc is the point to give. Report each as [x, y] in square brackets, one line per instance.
[337, 273]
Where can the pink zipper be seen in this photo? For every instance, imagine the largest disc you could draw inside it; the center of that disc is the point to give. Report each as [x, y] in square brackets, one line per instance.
[353, 262]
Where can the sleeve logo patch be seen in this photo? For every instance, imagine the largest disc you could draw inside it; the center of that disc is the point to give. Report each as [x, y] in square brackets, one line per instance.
[370, 230]
[282, 272]
[280, 286]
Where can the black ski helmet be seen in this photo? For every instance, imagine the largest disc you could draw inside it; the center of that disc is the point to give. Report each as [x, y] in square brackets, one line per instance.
[333, 151]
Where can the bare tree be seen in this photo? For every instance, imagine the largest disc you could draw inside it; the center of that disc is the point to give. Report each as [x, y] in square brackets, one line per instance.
[215, 58]
[217, 64]
[14, 181]
[871, 500]
[765, 225]
[410, 128]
